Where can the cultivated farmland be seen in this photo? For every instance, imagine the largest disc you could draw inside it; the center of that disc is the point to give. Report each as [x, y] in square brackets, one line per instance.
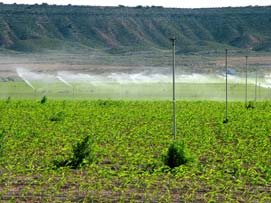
[127, 142]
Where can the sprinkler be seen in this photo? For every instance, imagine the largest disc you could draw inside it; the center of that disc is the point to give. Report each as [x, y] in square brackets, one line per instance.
[66, 83]
[21, 75]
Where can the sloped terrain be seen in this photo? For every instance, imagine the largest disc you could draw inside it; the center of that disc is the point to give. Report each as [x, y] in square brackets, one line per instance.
[32, 28]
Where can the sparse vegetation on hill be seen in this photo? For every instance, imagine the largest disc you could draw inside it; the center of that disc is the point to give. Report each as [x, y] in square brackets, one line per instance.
[32, 28]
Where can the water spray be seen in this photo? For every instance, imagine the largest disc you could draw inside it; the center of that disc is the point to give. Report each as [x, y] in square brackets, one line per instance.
[25, 80]
[21, 75]
[66, 83]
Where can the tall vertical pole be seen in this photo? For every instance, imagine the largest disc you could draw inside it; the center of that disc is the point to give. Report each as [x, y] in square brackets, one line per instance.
[256, 84]
[173, 40]
[259, 93]
[226, 66]
[246, 82]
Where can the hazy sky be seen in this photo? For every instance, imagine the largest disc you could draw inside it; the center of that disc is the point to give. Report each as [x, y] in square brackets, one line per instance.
[165, 3]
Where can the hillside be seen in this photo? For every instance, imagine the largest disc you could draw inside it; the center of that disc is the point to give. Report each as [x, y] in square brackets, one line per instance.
[34, 28]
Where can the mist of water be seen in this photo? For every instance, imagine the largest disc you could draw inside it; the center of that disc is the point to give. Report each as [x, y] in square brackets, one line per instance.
[167, 78]
[70, 78]
[93, 79]
[21, 73]
[64, 81]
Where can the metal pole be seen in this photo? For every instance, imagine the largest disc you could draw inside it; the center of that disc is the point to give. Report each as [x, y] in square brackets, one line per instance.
[246, 82]
[256, 83]
[259, 97]
[226, 66]
[173, 40]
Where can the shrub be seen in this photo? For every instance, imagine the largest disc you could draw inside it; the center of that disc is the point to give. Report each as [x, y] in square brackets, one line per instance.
[43, 100]
[57, 117]
[81, 154]
[250, 105]
[177, 155]
[8, 100]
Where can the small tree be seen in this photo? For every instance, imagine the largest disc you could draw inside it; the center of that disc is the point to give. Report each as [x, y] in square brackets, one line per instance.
[43, 100]
[57, 117]
[81, 154]
[177, 155]
[8, 100]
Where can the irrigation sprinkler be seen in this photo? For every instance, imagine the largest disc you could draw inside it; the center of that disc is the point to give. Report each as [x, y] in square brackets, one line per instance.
[226, 67]
[27, 82]
[173, 40]
[66, 83]
[246, 82]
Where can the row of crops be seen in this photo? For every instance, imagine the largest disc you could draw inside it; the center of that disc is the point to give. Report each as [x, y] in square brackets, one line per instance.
[127, 143]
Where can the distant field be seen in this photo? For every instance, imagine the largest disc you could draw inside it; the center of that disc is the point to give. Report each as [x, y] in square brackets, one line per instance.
[132, 76]
[131, 91]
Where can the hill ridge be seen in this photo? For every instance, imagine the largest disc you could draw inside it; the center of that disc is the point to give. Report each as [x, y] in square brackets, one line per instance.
[33, 28]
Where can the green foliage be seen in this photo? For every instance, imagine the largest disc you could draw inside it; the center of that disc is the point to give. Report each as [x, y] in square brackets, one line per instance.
[120, 161]
[43, 100]
[81, 154]
[250, 105]
[59, 116]
[8, 100]
[177, 155]
[1, 143]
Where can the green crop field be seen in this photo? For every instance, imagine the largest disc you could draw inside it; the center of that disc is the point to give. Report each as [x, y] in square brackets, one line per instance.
[132, 91]
[127, 143]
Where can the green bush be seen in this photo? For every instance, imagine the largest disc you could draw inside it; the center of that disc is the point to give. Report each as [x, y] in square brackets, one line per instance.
[8, 100]
[177, 155]
[250, 105]
[43, 100]
[57, 117]
[82, 153]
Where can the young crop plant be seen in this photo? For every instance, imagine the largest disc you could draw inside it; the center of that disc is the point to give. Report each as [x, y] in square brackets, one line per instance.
[81, 154]
[177, 155]
[112, 152]
[250, 105]
[57, 117]
[8, 100]
[43, 100]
